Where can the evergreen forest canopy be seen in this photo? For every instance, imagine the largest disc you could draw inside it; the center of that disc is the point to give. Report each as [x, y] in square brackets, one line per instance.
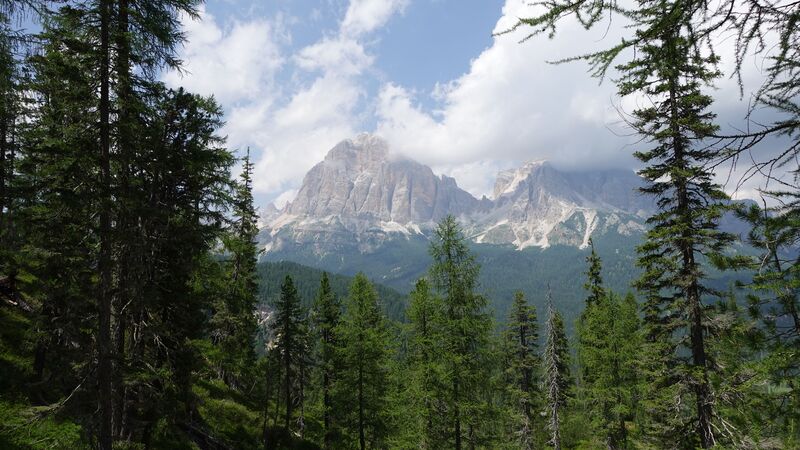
[129, 278]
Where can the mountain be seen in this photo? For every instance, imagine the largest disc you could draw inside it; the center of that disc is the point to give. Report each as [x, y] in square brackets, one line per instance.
[537, 205]
[363, 209]
[361, 196]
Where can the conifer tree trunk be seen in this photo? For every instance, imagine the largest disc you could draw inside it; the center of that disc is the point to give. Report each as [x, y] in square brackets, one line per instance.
[122, 43]
[457, 414]
[276, 412]
[104, 262]
[287, 362]
[3, 142]
[267, 396]
[326, 405]
[361, 439]
[302, 424]
[688, 270]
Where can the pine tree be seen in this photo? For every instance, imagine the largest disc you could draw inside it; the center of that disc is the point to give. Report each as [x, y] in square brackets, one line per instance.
[465, 329]
[364, 353]
[557, 380]
[326, 317]
[522, 369]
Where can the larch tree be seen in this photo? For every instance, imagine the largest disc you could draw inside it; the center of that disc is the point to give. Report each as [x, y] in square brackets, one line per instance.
[671, 66]
[364, 354]
[425, 346]
[326, 315]
[465, 329]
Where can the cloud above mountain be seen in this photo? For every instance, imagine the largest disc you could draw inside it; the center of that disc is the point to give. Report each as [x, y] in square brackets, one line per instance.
[291, 98]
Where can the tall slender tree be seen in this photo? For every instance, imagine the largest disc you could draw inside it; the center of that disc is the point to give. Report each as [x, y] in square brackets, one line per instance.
[594, 278]
[52, 165]
[671, 66]
[104, 264]
[10, 102]
[326, 316]
[690, 204]
[557, 380]
[610, 352]
[595, 294]
[288, 329]
[364, 352]
[465, 328]
[425, 347]
[522, 369]
[234, 323]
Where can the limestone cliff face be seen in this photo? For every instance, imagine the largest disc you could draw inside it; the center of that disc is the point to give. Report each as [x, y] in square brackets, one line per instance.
[360, 179]
[361, 195]
[538, 205]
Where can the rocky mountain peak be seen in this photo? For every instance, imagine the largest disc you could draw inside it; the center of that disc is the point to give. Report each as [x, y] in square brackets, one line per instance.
[359, 181]
[508, 181]
[362, 194]
[362, 152]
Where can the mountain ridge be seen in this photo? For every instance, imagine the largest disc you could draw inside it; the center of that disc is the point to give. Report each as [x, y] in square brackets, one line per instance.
[362, 195]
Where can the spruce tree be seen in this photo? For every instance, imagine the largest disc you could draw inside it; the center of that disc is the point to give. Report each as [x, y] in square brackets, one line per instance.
[11, 106]
[364, 353]
[608, 351]
[55, 156]
[288, 331]
[104, 262]
[595, 294]
[234, 325]
[594, 280]
[465, 330]
[522, 370]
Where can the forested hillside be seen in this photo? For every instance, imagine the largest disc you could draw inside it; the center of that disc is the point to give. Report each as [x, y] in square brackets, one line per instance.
[134, 313]
[306, 279]
[504, 270]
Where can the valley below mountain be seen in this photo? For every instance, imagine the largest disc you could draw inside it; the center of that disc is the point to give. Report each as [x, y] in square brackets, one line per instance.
[363, 209]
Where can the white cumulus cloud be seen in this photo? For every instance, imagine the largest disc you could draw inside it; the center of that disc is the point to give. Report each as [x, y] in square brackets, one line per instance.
[232, 63]
[364, 16]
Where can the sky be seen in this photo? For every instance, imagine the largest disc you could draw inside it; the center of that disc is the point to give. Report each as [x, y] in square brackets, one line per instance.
[295, 77]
